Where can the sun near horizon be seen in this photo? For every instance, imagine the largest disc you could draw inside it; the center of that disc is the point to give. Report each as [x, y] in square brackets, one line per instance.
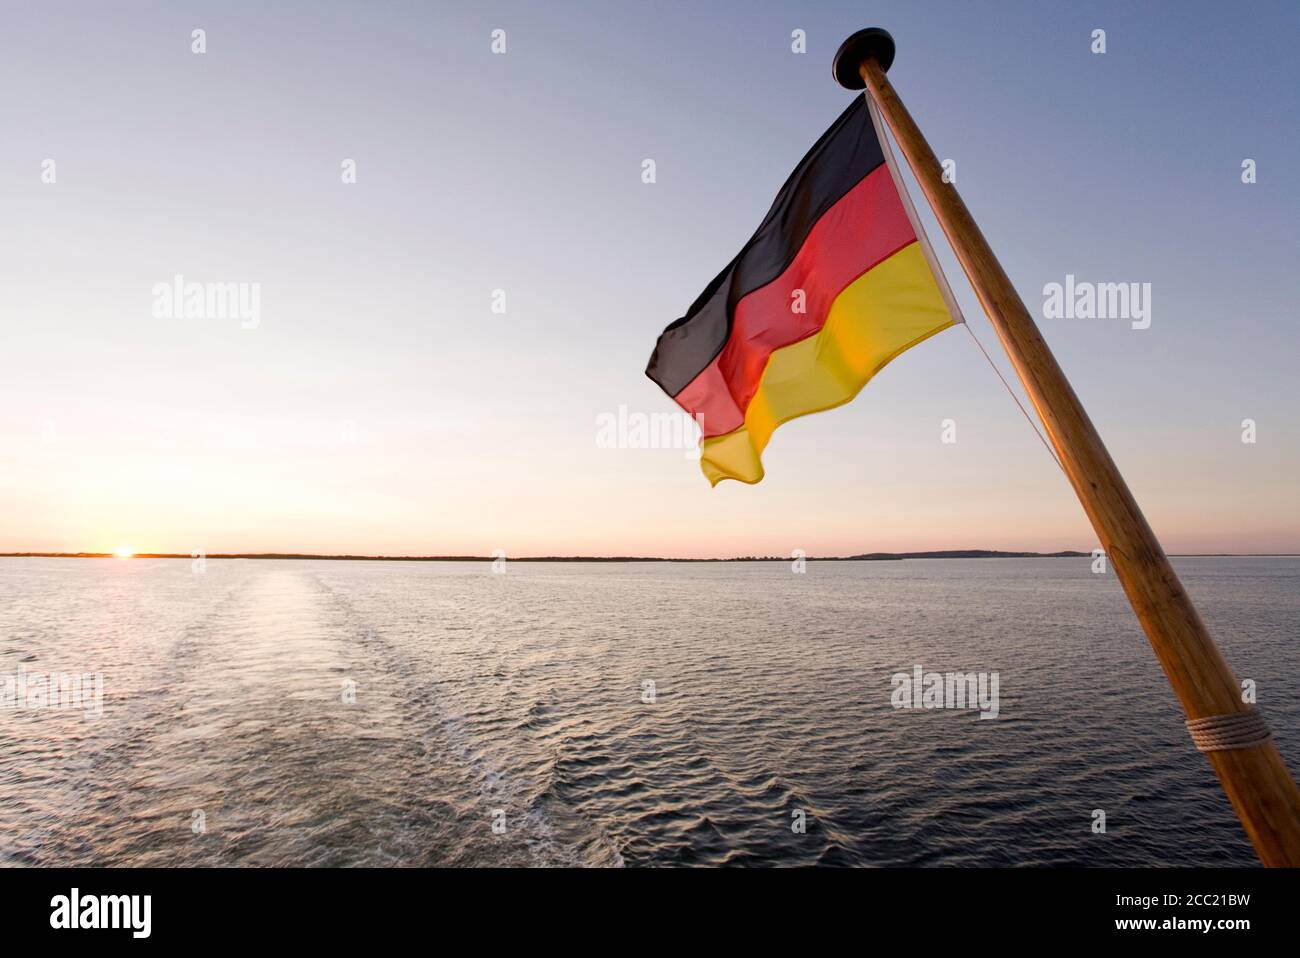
[124, 552]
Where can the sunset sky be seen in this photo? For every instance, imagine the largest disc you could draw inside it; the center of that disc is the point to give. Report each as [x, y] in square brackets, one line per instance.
[380, 406]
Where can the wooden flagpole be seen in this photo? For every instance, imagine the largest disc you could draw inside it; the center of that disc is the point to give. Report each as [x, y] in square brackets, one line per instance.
[1252, 772]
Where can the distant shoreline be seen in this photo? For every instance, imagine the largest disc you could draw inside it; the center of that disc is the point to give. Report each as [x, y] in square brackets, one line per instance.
[864, 557]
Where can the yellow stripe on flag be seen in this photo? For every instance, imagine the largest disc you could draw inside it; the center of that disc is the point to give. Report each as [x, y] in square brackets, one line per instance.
[890, 308]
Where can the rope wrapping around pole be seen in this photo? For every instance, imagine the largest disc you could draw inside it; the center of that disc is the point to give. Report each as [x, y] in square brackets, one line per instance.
[1224, 733]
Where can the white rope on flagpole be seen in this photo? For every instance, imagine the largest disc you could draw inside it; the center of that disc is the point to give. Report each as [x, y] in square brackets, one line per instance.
[1012, 393]
[942, 280]
[1223, 733]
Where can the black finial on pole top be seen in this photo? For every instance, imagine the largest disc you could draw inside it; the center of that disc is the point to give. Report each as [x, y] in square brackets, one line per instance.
[871, 42]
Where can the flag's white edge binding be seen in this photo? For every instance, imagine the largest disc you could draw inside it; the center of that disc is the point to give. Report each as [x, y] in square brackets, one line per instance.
[944, 289]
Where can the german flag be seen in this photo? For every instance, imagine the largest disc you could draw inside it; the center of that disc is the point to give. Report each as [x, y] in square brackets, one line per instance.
[836, 282]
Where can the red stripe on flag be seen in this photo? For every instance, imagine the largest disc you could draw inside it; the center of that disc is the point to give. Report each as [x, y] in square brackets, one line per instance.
[866, 227]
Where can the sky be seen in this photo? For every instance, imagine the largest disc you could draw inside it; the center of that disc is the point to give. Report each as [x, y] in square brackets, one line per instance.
[381, 405]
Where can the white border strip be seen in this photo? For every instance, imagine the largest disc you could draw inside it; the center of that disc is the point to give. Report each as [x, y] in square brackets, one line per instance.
[944, 289]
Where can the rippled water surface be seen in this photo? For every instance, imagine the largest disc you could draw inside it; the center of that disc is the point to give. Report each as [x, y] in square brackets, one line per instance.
[229, 734]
